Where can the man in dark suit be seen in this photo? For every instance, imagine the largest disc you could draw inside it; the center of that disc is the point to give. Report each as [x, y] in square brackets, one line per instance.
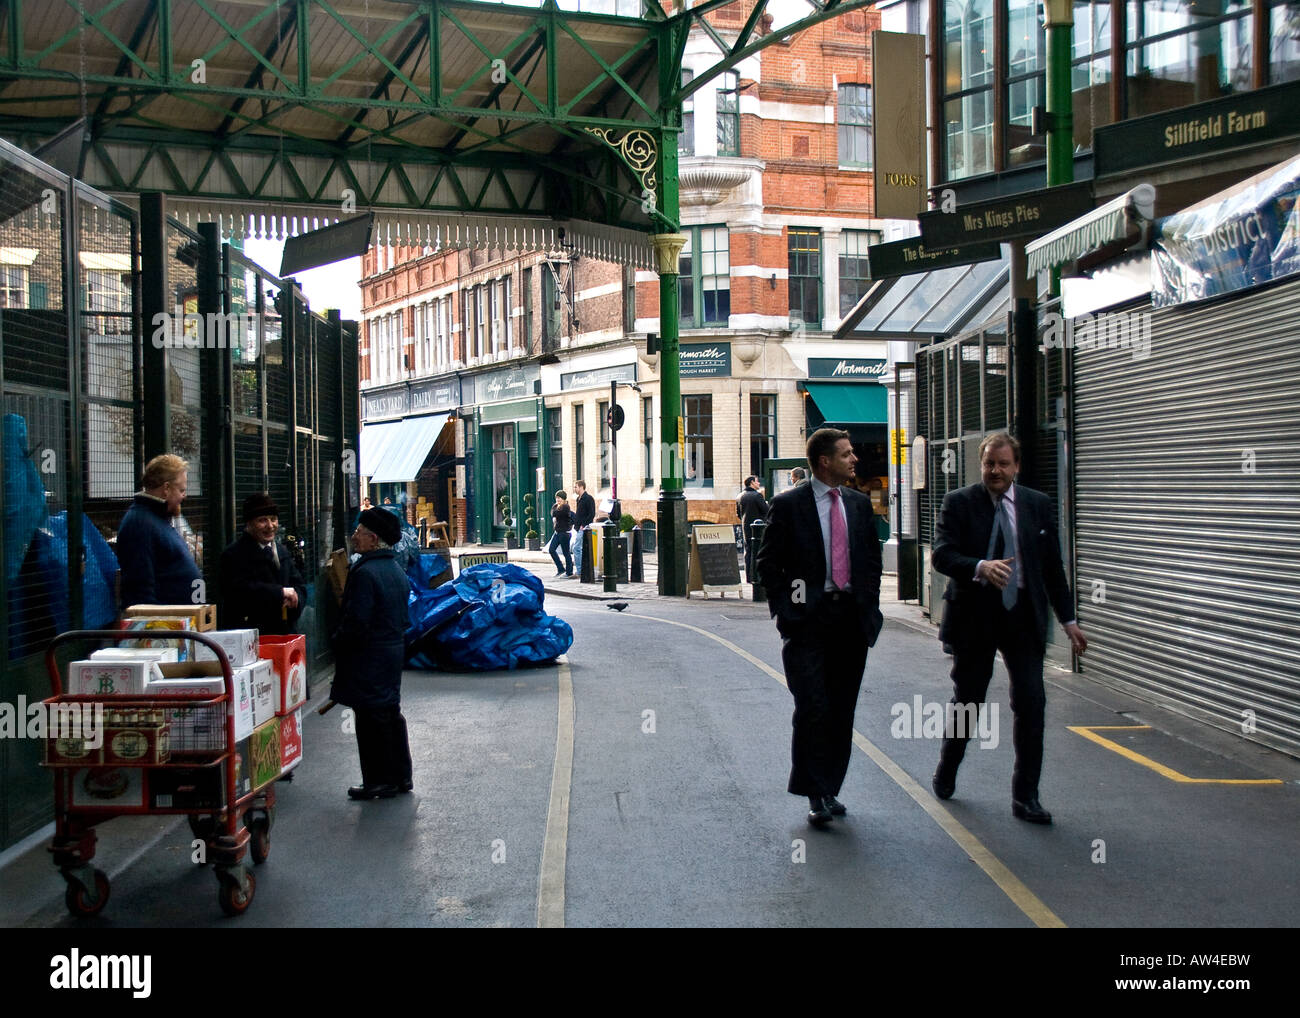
[820, 562]
[261, 586]
[996, 541]
[750, 506]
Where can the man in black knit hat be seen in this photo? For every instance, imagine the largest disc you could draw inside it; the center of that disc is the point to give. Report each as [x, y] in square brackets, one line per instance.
[261, 585]
[369, 651]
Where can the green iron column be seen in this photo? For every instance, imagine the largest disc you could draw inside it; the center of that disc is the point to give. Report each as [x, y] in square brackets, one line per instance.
[671, 523]
[1060, 110]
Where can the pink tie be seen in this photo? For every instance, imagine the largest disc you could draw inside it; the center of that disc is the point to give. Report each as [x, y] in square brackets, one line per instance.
[839, 543]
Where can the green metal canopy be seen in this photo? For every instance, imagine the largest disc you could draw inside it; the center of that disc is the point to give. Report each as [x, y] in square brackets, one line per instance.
[458, 122]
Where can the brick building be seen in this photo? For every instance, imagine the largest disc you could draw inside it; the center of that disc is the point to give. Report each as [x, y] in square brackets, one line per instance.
[498, 364]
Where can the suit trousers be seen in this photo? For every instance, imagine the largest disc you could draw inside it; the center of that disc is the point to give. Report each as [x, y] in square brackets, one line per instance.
[1014, 633]
[824, 663]
[382, 745]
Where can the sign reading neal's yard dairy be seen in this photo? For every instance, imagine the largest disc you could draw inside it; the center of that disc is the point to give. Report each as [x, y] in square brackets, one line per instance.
[864, 369]
[435, 395]
[385, 404]
[705, 360]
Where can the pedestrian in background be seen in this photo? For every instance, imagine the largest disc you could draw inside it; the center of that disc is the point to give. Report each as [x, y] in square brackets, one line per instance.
[797, 477]
[750, 506]
[157, 564]
[261, 585]
[370, 648]
[562, 517]
[584, 514]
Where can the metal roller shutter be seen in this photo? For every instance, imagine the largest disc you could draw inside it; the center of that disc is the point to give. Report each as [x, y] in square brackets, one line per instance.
[1188, 514]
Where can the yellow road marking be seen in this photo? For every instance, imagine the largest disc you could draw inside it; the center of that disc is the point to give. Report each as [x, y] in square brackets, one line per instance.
[1012, 886]
[1090, 732]
[550, 881]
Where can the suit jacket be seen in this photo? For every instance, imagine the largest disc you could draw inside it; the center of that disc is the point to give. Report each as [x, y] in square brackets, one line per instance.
[750, 506]
[252, 588]
[793, 550]
[962, 539]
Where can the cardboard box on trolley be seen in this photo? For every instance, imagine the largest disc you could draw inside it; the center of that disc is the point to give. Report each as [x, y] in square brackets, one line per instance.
[290, 741]
[205, 677]
[288, 657]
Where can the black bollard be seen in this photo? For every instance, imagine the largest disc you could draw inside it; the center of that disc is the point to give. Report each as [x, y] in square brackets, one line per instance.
[588, 573]
[636, 571]
[756, 531]
[611, 566]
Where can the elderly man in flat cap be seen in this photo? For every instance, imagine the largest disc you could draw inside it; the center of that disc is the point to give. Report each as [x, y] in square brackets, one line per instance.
[261, 585]
[369, 651]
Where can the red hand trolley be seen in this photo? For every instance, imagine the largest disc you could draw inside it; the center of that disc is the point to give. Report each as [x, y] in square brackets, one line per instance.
[230, 824]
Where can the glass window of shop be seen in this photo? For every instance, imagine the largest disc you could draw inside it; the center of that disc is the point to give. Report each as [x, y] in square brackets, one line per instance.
[1284, 43]
[698, 458]
[968, 87]
[1179, 52]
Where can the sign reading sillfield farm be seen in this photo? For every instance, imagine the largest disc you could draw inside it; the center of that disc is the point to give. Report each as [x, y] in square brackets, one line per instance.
[700, 360]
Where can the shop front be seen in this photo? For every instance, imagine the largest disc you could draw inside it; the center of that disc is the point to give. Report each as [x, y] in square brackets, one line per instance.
[503, 452]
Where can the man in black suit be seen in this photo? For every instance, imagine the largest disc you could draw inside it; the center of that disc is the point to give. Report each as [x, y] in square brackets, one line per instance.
[261, 586]
[820, 562]
[996, 541]
[750, 506]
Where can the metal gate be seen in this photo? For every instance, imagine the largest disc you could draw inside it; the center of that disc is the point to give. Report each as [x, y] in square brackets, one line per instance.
[1188, 511]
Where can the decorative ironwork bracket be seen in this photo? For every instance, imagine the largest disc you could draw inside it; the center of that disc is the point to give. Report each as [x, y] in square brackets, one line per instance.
[639, 151]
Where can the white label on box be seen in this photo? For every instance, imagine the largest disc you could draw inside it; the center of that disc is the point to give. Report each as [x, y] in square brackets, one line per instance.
[213, 684]
[242, 704]
[159, 654]
[106, 678]
[240, 646]
[264, 688]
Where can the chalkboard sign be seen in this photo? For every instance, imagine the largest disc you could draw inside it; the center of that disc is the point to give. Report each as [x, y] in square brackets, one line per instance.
[714, 566]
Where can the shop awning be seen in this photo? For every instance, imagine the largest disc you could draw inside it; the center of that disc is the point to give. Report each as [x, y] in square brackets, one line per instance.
[375, 439]
[849, 403]
[406, 453]
[1119, 220]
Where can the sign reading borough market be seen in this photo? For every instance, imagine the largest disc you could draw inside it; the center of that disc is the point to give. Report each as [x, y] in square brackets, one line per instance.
[859, 369]
[705, 360]
[1001, 219]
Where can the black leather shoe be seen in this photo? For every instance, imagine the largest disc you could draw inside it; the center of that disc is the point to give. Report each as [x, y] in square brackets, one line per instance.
[819, 814]
[1031, 810]
[405, 786]
[836, 807]
[943, 787]
[372, 791]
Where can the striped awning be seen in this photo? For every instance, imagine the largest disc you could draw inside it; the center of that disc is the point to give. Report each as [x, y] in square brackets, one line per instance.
[1117, 220]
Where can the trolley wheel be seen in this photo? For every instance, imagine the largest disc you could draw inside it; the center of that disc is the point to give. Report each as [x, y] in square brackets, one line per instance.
[204, 827]
[259, 844]
[233, 901]
[79, 902]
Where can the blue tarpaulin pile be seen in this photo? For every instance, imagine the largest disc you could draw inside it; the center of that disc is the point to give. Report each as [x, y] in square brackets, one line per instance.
[490, 617]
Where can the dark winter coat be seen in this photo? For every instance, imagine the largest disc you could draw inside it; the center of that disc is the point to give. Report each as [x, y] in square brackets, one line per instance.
[369, 642]
[157, 567]
[252, 588]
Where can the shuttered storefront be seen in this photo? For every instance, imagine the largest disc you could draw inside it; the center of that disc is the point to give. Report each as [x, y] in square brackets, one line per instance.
[1187, 481]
